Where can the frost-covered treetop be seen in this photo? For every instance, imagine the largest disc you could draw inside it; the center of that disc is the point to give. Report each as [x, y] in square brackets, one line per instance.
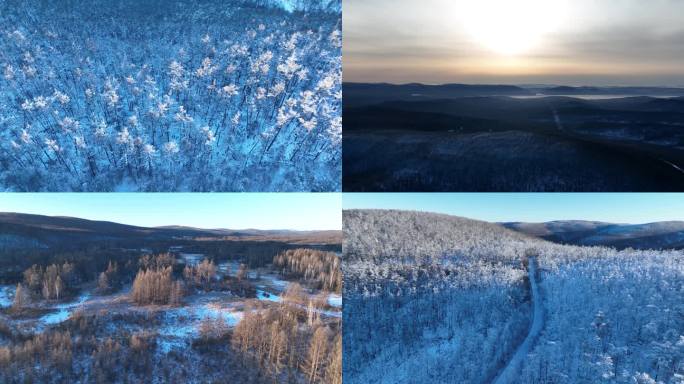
[419, 249]
[169, 95]
[418, 237]
[334, 6]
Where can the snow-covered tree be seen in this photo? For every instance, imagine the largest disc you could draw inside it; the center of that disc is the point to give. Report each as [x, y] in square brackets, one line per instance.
[170, 95]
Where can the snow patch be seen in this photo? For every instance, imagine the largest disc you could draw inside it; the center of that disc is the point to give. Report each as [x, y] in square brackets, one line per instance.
[64, 311]
[6, 295]
[183, 324]
[191, 258]
[335, 300]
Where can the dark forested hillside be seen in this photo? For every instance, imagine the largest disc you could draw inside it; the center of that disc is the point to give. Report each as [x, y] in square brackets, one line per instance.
[481, 138]
[59, 230]
[29, 239]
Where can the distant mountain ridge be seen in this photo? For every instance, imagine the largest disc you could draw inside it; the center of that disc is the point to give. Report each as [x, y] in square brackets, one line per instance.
[388, 234]
[19, 229]
[524, 89]
[360, 94]
[657, 235]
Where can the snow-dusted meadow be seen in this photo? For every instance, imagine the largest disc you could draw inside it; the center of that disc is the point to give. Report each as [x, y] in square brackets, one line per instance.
[243, 95]
[180, 325]
[100, 333]
[441, 299]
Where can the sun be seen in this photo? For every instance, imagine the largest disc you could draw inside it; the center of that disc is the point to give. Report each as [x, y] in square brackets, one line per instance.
[511, 27]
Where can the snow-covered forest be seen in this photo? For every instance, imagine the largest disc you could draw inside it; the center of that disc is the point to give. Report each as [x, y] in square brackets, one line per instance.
[179, 95]
[443, 299]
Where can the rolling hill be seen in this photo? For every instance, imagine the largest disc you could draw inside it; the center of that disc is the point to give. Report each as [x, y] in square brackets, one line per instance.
[25, 230]
[659, 235]
[445, 299]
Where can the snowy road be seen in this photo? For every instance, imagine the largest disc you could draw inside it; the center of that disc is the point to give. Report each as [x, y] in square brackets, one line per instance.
[510, 373]
[673, 165]
[559, 126]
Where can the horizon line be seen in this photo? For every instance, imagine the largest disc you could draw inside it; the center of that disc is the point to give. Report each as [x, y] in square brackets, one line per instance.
[171, 225]
[507, 221]
[517, 84]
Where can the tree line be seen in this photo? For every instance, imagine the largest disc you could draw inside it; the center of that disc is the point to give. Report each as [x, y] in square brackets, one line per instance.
[320, 268]
[286, 340]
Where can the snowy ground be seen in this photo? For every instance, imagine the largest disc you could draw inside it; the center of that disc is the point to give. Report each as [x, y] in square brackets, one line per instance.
[181, 325]
[511, 372]
[51, 313]
[63, 311]
[335, 300]
[191, 258]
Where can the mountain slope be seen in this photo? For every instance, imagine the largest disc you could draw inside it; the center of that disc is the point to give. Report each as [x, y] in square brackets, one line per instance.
[23, 230]
[470, 313]
[56, 229]
[419, 237]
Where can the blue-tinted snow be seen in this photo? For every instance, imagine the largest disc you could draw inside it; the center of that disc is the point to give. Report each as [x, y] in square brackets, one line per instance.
[172, 95]
[61, 312]
[303, 5]
[191, 258]
[6, 295]
[181, 325]
[335, 300]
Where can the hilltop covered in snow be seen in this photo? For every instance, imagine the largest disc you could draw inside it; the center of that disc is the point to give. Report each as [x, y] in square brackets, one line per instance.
[443, 299]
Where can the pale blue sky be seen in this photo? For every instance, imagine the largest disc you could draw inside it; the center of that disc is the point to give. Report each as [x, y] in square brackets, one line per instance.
[298, 211]
[634, 208]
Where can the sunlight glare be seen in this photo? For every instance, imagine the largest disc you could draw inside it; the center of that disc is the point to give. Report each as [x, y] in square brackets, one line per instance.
[510, 27]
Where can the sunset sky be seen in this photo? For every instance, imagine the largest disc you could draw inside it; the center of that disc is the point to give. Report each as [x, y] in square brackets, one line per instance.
[574, 42]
